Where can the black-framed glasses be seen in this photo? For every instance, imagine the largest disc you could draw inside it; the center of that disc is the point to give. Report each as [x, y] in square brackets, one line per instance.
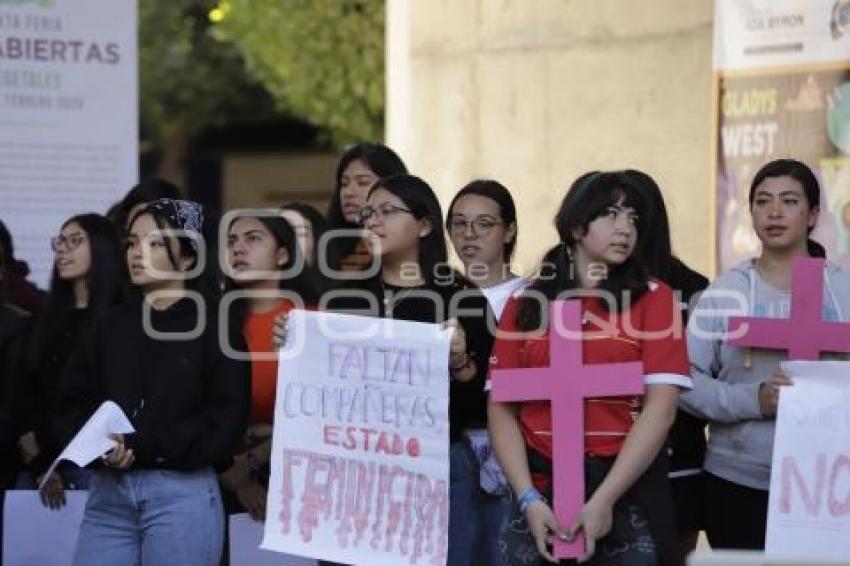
[68, 243]
[481, 225]
[382, 211]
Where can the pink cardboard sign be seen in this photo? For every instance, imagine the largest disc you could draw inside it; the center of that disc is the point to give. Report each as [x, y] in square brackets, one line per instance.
[566, 383]
[805, 334]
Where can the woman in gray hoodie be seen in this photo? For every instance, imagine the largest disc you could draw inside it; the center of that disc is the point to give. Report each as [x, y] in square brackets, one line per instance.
[736, 389]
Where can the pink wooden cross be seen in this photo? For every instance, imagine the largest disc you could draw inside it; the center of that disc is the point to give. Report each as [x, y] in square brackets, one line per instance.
[805, 334]
[566, 383]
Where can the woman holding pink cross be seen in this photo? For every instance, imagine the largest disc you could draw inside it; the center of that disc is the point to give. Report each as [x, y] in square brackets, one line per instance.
[737, 389]
[627, 316]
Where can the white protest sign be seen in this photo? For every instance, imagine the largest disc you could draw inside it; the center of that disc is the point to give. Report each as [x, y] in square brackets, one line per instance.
[809, 509]
[34, 535]
[360, 448]
[92, 441]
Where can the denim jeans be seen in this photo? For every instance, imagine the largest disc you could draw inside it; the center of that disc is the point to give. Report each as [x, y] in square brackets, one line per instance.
[151, 518]
[475, 517]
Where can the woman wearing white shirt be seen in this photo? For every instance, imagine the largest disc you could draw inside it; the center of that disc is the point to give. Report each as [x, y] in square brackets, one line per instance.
[482, 225]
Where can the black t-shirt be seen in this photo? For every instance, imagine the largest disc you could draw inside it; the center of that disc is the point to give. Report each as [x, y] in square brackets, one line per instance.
[51, 354]
[187, 400]
[14, 332]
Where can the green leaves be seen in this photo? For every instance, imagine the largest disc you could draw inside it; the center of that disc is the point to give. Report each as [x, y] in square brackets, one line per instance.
[187, 76]
[322, 60]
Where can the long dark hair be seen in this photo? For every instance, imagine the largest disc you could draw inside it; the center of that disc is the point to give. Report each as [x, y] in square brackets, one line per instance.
[588, 198]
[498, 193]
[147, 191]
[207, 281]
[656, 250]
[7, 249]
[301, 282]
[318, 224]
[383, 162]
[103, 280]
[801, 173]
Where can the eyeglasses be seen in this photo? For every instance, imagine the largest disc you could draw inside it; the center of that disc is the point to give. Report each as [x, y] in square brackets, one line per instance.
[481, 225]
[68, 243]
[383, 211]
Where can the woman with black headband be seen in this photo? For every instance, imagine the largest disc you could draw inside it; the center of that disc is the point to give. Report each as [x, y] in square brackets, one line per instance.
[154, 498]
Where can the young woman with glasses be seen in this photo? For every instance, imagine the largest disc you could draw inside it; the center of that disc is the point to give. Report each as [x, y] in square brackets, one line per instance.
[482, 226]
[403, 225]
[86, 282]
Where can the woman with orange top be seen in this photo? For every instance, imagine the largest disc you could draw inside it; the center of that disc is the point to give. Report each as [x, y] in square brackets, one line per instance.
[269, 276]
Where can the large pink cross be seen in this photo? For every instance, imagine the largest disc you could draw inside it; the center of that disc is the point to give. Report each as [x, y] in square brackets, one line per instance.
[805, 334]
[566, 383]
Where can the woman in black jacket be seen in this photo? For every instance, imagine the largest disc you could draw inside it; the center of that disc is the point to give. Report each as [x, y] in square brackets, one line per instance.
[411, 280]
[14, 330]
[155, 499]
[86, 281]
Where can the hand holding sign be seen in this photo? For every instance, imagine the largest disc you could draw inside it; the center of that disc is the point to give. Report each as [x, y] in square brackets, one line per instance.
[769, 392]
[360, 452]
[119, 457]
[94, 439]
[566, 384]
[809, 507]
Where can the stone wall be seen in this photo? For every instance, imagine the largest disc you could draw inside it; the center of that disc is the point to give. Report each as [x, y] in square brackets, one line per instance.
[535, 92]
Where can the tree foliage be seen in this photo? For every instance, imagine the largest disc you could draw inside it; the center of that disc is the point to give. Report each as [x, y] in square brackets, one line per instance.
[188, 79]
[322, 60]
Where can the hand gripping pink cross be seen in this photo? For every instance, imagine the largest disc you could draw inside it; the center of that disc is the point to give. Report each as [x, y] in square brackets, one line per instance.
[805, 334]
[566, 383]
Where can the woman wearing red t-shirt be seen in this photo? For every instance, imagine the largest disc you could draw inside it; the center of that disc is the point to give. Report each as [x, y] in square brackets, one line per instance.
[627, 316]
[267, 267]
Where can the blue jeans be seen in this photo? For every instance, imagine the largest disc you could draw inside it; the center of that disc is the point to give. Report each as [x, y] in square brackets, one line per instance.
[151, 518]
[475, 517]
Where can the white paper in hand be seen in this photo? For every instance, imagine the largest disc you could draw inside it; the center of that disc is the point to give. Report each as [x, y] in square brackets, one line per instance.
[93, 439]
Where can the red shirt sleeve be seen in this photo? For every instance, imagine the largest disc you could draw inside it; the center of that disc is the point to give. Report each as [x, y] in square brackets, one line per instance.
[664, 350]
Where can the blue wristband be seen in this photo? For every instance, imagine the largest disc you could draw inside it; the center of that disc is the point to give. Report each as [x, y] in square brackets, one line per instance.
[528, 496]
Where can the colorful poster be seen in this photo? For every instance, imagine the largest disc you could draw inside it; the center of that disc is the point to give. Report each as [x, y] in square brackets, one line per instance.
[809, 508]
[360, 471]
[68, 116]
[782, 76]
